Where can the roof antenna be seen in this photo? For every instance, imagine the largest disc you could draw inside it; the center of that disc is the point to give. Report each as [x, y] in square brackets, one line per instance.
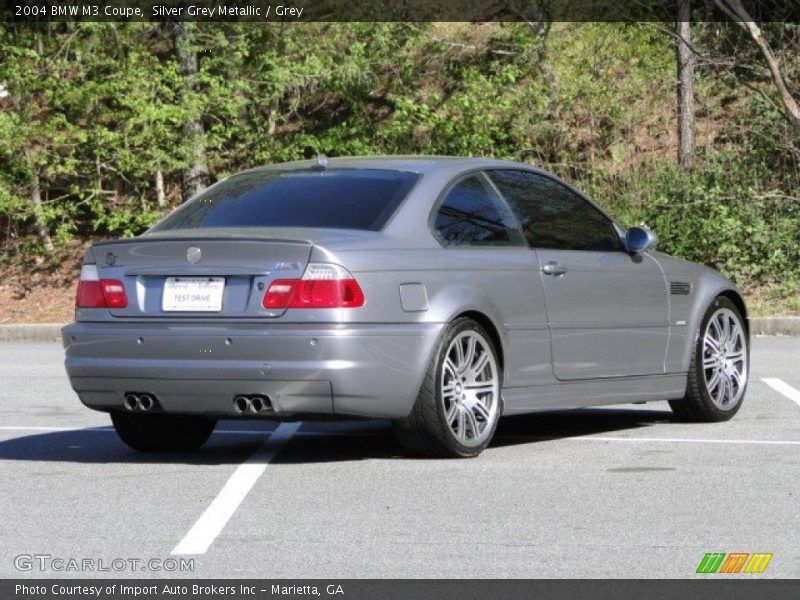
[322, 163]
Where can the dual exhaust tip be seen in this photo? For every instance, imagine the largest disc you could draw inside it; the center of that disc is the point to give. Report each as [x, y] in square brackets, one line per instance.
[243, 405]
[135, 402]
[252, 405]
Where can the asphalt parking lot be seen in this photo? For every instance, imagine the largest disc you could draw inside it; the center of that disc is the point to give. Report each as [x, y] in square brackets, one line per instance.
[609, 492]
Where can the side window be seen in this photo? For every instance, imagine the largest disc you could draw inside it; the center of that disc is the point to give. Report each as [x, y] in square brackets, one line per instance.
[472, 214]
[552, 215]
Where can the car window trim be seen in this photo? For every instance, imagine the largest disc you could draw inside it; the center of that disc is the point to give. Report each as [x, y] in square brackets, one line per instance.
[615, 227]
[480, 171]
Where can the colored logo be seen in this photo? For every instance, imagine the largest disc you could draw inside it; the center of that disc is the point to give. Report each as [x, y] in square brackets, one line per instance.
[735, 562]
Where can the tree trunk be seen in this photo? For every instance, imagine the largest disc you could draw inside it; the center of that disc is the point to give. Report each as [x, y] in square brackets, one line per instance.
[36, 201]
[195, 176]
[160, 195]
[737, 13]
[685, 61]
[272, 121]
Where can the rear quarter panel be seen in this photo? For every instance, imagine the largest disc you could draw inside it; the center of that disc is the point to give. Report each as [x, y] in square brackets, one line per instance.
[501, 284]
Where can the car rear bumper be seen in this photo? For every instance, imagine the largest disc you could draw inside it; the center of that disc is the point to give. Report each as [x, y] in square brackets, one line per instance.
[369, 370]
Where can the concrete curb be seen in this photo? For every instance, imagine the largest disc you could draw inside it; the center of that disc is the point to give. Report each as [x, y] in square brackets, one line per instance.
[775, 326]
[31, 332]
[51, 332]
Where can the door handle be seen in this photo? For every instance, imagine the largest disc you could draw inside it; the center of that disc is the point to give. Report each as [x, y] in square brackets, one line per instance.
[553, 268]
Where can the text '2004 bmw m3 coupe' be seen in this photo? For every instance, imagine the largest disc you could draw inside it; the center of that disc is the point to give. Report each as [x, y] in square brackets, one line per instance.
[438, 293]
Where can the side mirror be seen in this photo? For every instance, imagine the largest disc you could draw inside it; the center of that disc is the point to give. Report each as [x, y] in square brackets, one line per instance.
[640, 239]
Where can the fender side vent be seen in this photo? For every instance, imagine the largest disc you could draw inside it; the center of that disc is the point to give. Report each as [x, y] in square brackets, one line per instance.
[680, 288]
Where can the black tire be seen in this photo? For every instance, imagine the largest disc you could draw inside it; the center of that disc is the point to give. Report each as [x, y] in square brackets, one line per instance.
[425, 431]
[697, 405]
[162, 433]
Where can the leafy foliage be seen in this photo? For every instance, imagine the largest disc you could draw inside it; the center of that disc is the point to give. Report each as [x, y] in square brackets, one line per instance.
[95, 111]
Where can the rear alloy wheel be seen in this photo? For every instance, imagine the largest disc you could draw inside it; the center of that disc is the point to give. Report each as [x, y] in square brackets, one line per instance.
[459, 405]
[719, 368]
[162, 433]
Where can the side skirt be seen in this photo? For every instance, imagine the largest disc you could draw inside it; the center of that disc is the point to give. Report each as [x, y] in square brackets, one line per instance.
[595, 392]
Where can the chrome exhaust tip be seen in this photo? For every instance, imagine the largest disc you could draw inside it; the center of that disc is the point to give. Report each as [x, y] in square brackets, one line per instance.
[146, 402]
[261, 404]
[241, 404]
[254, 405]
[131, 402]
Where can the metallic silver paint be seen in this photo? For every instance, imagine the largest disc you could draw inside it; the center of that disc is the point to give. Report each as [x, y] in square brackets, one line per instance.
[604, 332]
[363, 370]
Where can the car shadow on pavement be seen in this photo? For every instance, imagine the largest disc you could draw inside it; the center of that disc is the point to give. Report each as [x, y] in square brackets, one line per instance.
[315, 442]
[373, 439]
[547, 426]
[101, 445]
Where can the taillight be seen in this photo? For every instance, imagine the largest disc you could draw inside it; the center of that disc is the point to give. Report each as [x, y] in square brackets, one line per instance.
[94, 292]
[322, 286]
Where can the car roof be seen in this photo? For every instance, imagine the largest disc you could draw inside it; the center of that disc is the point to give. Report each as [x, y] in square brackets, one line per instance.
[410, 163]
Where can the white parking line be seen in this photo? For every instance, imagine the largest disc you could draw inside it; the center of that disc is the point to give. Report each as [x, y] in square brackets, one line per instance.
[597, 438]
[780, 386]
[213, 520]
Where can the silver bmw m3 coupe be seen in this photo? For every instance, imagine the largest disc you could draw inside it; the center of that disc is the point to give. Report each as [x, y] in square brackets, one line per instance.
[438, 293]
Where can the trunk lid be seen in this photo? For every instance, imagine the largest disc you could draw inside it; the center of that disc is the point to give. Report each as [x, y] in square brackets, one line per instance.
[157, 270]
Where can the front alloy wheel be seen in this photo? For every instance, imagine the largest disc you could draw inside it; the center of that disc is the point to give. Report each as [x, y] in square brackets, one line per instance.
[724, 359]
[719, 368]
[458, 407]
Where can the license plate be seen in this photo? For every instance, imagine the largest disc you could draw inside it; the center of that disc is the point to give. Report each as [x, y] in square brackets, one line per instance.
[193, 294]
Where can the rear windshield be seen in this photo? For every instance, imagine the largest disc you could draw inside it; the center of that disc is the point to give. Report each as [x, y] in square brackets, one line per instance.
[341, 199]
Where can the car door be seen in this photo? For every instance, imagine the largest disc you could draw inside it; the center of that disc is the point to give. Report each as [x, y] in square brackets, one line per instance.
[607, 309]
[495, 271]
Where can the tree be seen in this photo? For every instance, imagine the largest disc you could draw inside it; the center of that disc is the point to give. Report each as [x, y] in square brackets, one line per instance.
[738, 14]
[37, 141]
[138, 109]
[195, 176]
[685, 62]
